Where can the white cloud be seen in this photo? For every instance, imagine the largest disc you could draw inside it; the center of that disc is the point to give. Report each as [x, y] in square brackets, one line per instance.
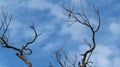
[102, 54]
[76, 31]
[106, 56]
[115, 28]
[93, 21]
[52, 46]
[43, 4]
[116, 62]
[103, 50]
[80, 3]
[15, 26]
[55, 9]
[10, 6]
[48, 47]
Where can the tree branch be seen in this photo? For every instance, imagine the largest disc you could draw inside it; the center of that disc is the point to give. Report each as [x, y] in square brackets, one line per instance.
[85, 21]
[20, 52]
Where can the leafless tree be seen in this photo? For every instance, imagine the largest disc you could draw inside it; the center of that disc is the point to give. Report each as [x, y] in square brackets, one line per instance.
[63, 59]
[5, 43]
[82, 18]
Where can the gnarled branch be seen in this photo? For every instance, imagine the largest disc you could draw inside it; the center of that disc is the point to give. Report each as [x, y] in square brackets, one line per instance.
[20, 52]
[83, 19]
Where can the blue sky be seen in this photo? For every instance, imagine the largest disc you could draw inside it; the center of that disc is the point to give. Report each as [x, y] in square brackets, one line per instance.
[48, 16]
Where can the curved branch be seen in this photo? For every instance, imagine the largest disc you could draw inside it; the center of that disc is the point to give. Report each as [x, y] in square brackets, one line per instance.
[35, 36]
[20, 52]
[85, 21]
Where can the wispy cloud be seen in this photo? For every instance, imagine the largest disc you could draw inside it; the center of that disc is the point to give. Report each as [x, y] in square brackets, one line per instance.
[114, 28]
[116, 62]
[55, 9]
[105, 56]
[102, 56]
[104, 53]
[76, 31]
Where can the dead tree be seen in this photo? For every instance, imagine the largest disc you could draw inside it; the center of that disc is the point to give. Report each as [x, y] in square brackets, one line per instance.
[63, 59]
[4, 40]
[82, 18]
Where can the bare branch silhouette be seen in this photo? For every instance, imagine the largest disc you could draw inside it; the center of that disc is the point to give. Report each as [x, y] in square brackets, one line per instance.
[64, 60]
[20, 52]
[83, 19]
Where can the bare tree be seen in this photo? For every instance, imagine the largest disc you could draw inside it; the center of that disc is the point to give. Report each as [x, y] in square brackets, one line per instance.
[82, 18]
[63, 59]
[4, 40]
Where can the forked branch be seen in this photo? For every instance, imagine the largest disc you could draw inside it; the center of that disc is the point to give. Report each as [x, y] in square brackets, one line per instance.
[4, 42]
[83, 19]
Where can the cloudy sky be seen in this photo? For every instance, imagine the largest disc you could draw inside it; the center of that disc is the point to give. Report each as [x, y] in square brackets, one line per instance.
[50, 21]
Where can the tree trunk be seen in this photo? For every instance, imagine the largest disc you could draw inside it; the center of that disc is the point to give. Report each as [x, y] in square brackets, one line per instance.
[24, 59]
